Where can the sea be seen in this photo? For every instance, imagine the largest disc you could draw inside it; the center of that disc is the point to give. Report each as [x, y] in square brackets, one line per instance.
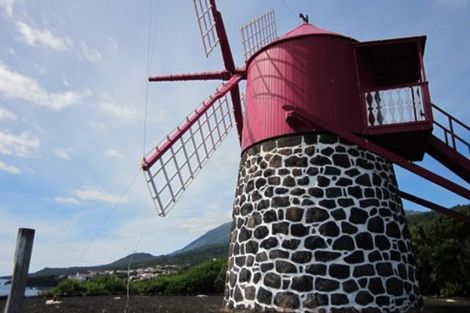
[5, 289]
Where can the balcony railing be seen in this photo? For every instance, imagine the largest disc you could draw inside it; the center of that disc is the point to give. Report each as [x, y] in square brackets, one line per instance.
[453, 132]
[396, 105]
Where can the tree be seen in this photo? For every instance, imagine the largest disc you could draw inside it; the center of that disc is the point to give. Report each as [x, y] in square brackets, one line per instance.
[442, 248]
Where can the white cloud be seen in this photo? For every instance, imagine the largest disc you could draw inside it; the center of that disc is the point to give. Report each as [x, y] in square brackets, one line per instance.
[45, 37]
[42, 37]
[6, 114]
[113, 153]
[67, 200]
[117, 111]
[8, 6]
[62, 153]
[206, 222]
[97, 194]
[18, 145]
[90, 54]
[9, 168]
[16, 85]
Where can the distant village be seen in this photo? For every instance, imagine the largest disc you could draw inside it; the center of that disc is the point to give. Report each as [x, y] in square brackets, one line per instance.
[134, 274]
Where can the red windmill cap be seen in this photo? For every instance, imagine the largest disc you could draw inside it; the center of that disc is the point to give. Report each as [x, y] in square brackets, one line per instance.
[307, 30]
[303, 30]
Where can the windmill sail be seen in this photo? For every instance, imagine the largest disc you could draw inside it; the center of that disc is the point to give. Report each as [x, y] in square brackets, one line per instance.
[207, 25]
[258, 33]
[176, 161]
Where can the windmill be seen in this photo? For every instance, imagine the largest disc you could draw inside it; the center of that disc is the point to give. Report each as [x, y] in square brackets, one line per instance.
[318, 221]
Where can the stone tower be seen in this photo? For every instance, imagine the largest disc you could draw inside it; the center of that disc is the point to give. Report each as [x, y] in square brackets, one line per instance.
[318, 226]
[318, 223]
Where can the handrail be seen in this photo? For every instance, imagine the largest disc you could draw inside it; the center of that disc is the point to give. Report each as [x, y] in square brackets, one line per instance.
[444, 129]
[449, 130]
[451, 116]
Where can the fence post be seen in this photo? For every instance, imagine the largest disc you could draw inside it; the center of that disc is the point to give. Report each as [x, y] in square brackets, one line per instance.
[24, 247]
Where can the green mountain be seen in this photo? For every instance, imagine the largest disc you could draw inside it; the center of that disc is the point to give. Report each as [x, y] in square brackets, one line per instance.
[213, 244]
[132, 258]
[119, 264]
[216, 236]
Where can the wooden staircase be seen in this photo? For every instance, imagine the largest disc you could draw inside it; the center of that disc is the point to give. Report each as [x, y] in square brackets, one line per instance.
[449, 157]
[452, 149]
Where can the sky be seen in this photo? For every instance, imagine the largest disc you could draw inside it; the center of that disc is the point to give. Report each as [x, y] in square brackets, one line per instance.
[73, 128]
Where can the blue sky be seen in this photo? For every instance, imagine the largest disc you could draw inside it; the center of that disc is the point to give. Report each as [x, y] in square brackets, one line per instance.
[72, 98]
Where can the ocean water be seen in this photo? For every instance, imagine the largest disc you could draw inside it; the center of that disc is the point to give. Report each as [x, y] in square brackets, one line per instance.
[5, 289]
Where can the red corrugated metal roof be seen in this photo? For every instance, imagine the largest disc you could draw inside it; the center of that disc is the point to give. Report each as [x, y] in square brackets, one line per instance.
[308, 30]
[302, 30]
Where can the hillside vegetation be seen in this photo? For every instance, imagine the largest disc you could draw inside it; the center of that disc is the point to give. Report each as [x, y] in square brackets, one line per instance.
[214, 237]
[140, 260]
[205, 278]
[442, 250]
[441, 245]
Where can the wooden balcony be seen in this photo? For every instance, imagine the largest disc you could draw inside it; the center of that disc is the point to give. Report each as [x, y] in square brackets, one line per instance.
[399, 117]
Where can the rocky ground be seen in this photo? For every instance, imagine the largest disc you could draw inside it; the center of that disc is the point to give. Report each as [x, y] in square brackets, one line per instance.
[176, 304]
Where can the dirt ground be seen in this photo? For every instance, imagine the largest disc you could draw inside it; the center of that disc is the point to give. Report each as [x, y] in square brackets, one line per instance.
[169, 304]
[137, 304]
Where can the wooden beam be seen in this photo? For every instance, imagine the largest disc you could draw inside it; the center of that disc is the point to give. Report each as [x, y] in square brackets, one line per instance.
[24, 248]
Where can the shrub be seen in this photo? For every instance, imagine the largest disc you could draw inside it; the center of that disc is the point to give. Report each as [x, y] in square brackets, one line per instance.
[219, 283]
[152, 286]
[112, 283]
[68, 288]
[93, 288]
[204, 278]
[100, 285]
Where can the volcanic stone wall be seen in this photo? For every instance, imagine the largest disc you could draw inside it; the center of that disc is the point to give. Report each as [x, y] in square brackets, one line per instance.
[318, 227]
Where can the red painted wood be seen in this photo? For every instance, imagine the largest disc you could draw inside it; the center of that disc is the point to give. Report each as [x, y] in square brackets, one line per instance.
[310, 68]
[308, 30]
[224, 75]
[229, 66]
[390, 62]
[326, 75]
[223, 40]
[435, 207]
[171, 140]
[449, 157]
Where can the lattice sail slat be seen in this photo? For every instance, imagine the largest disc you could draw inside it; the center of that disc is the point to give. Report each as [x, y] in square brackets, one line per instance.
[206, 23]
[258, 33]
[177, 167]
